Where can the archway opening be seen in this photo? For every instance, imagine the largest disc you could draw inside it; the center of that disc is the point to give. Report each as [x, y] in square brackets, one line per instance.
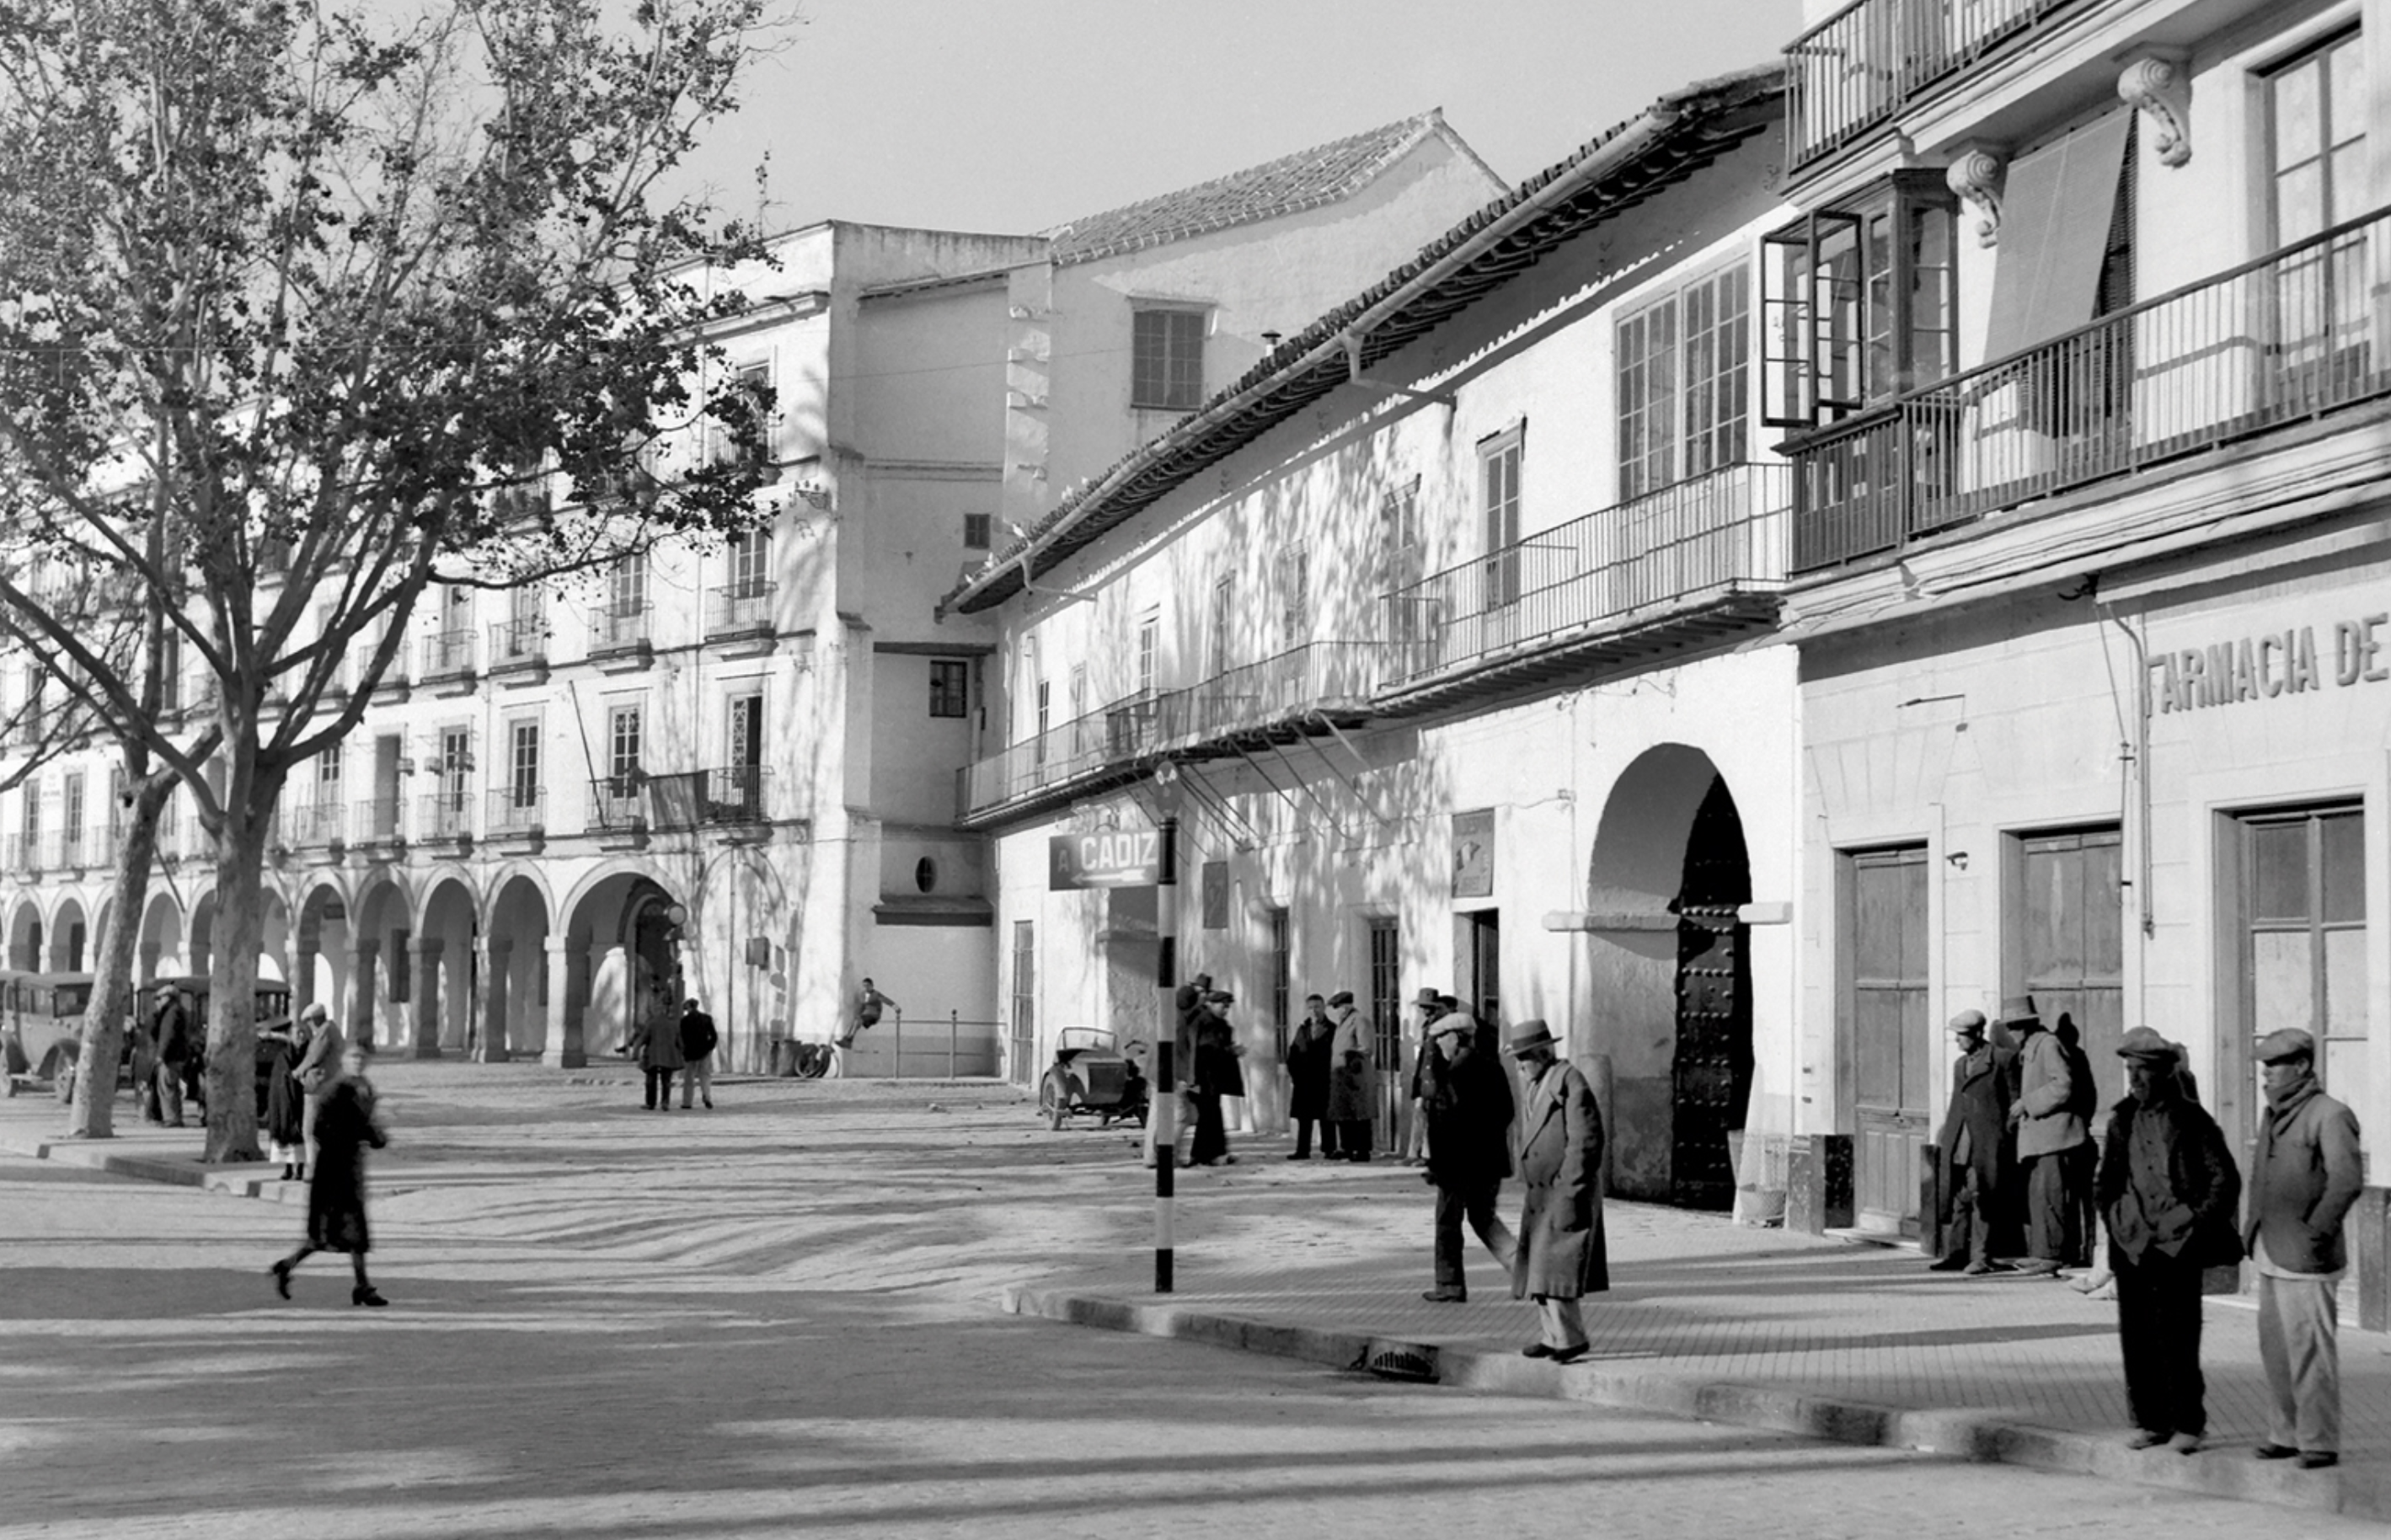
[1671, 978]
[69, 939]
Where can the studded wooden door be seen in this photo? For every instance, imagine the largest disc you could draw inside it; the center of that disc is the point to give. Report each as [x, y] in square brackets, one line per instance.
[1711, 1073]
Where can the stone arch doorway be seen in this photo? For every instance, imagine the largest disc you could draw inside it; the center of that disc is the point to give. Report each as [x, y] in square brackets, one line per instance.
[513, 1022]
[1672, 975]
[379, 984]
[70, 938]
[161, 946]
[25, 937]
[321, 958]
[202, 949]
[444, 992]
[620, 950]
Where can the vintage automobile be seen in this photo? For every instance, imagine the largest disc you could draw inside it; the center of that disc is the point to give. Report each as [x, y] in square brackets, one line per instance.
[1091, 1075]
[272, 1014]
[41, 1022]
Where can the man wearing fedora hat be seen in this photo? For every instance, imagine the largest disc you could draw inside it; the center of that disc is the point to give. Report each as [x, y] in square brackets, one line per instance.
[2167, 1190]
[2304, 1176]
[1467, 1098]
[1975, 1127]
[2049, 1125]
[1561, 1255]
[1348, 1077]
[1433, 1007]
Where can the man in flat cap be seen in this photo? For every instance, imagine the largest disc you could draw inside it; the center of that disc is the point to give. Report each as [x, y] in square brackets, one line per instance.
[2167, 1189]
[2304, 1176]
[1974, 1128]
[1467, 1098]
[1562, 1256]
[2049, 1125]
[1348, 1077]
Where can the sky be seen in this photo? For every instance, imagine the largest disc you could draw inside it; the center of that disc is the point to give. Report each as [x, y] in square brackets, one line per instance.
[1009, 116]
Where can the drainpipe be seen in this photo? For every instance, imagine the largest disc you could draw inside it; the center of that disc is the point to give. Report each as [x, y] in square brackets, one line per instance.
[2134, 765]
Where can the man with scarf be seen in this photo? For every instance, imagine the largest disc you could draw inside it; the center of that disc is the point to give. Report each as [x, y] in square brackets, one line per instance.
[2304, 1176]
[2168, 1189]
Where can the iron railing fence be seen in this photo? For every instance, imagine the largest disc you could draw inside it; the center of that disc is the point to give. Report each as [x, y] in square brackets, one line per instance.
[1861, 65]
[737, 609]
[308, 824]
[447, 815]
[2297, 332]
[1317, 676]
[615, 802]
[519, 644]
[375, 821]
[1715, 533]
[517, 809]
[618, 628]
[447, 654]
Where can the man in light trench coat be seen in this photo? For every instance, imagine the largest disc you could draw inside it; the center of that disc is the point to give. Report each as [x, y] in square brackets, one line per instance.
[1562, 1256]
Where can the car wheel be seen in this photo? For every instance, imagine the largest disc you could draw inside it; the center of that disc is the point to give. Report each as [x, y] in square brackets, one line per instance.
[1051, 1103]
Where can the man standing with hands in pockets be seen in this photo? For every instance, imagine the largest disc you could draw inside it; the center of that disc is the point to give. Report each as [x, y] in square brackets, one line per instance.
[2304, 1176]
[1562, 1256]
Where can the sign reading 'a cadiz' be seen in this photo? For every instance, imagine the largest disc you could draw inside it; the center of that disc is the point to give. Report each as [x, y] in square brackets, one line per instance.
[2276, 663]
[1113, 858]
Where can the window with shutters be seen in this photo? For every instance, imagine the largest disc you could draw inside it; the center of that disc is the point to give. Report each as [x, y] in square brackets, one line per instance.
[1498, 500]
[1166, 359]
[950, 687]
[1859, 301]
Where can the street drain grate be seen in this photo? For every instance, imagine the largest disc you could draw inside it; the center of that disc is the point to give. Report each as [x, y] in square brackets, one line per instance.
[1400, 1364]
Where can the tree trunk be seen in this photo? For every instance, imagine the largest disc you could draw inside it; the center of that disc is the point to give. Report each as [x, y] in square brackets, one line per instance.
[232, 983]
[94, 1115]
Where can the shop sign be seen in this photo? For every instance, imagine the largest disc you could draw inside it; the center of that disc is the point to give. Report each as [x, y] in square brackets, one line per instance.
[1109, 858]
[2274, 663]
[1473, 854]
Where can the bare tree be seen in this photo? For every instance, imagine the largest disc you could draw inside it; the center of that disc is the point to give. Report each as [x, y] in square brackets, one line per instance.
[290, 302]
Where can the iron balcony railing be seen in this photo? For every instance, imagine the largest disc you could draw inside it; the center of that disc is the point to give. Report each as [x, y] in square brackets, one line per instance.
[616, 801]
[1860, 66]
[361, 659]
[446, 654]
[100, 841]
[24, 853]
[689, 800]
[1318, 676]
[618, 630]
[307, 824]
[447, 815]
[375, 821]
[2302, 330]
[519, 644]
[67, 849]
[1717, 533]
[517, 809]
[739, 608]
[1127, 729]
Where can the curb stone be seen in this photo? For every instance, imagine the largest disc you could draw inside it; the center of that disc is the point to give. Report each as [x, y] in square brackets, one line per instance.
[2227, 1471]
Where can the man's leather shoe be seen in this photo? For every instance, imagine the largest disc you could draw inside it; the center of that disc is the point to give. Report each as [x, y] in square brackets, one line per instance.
[1445, 1297]
[2185, 1443]
[1946, 1264]
[1537, 1350]
[2146, 1437]
[2274, 1451]
[1571, 1355]
[2318, 1459]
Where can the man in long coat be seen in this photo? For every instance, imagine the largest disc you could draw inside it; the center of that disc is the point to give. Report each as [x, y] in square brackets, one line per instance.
[1975, 1126]
[2049, 1125]
[1308, 1049]
[2304, 1176]
[2168, 1189]
[1467, 1100]
[1562, 1256]
[1348, 1077]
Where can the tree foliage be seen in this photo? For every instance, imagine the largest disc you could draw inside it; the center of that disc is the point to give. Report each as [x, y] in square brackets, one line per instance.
[292, 300]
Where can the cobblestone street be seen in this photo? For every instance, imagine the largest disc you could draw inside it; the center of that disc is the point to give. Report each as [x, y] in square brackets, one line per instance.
[780, 1318]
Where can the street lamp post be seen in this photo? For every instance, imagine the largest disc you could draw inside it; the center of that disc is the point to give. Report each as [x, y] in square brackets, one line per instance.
[1165, 1112]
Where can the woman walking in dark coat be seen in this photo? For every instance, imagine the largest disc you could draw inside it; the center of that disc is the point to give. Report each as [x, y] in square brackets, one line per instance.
[345, 1129]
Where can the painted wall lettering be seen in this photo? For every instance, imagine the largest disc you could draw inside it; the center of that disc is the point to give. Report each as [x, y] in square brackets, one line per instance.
[2268, 666]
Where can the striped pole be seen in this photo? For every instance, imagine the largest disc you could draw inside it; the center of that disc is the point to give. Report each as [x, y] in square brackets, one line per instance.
[1165, 1109]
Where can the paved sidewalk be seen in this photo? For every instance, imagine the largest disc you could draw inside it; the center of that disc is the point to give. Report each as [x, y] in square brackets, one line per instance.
[1842, 1341]
[1317, 1261]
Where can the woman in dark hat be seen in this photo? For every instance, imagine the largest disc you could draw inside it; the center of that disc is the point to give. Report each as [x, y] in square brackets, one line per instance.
[345, 1129]
[1216, 1075]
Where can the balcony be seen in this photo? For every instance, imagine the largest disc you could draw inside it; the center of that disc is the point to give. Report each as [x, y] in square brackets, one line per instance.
[520, 647]
[448, 662]
[2299, 332]
[101, 842]
[67, 851]
[376, 822]
[1678, 569]
[616, 805]
[742, 611]
[1862, 65]
[313, 825]
[517, 809]
[24, 854]
[692, 800]
[619, 638]
[392, 686]
[446, 817]
[1277, 700]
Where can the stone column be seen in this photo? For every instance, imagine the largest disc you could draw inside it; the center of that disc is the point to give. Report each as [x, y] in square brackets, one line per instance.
[496, 956]
[423, 962]
[358, 1001]
[149, 961]
[565, 1048]
[301, 977]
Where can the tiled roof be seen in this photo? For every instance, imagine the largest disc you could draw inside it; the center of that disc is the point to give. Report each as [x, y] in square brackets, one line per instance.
[1306, 179]
[1678, 134]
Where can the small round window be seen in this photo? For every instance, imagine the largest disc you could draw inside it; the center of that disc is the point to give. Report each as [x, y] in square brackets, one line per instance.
[925, 874]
